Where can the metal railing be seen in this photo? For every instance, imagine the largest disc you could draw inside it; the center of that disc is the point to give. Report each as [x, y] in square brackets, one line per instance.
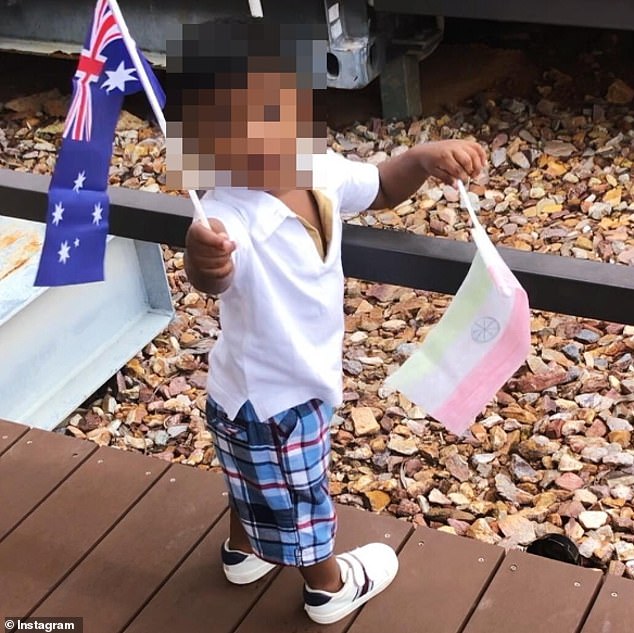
[566, 285]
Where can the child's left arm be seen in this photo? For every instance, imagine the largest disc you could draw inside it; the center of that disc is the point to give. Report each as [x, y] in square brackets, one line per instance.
[451, 160]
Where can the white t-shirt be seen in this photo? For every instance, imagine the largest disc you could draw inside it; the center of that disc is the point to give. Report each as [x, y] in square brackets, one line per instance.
[282, 319]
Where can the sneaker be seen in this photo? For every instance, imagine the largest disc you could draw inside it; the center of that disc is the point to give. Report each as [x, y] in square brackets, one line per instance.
[365, 572]
[241, 568]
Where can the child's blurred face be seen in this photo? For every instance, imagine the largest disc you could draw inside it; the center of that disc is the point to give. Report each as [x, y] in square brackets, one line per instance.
[250, 134]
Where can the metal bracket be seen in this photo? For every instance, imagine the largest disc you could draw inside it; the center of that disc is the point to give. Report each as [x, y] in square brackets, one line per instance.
[356, 55]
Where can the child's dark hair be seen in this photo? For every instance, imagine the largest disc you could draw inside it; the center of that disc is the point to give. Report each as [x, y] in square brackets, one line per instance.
[219, 53]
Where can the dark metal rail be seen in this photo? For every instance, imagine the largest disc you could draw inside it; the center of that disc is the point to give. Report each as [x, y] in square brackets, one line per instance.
[558, 284]
[613, 14]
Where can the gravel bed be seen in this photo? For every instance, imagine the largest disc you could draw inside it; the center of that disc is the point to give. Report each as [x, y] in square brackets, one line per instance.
[553, 454]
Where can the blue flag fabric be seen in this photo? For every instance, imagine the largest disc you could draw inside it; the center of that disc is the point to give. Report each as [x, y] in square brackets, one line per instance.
[77, 215]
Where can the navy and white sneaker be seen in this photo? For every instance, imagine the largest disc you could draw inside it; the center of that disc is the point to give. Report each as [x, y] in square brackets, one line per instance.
[365, 572]
[241, 568]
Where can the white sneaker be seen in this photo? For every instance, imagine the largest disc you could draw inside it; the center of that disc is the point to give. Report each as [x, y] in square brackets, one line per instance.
[365, 572]
[241, 568]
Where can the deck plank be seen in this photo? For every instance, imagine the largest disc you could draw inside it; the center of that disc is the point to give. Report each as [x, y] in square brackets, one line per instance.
[34, 466]
[530, 594]
[435, 569]
[281, 608]
[10, 432]
[198, 598]
[69, 522]
[113, 583]
[613, 610]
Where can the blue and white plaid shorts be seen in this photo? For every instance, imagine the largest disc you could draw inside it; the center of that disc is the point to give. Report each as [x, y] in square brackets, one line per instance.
[276, 472]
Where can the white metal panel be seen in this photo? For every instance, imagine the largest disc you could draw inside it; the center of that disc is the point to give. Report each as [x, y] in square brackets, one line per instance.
[58, 345]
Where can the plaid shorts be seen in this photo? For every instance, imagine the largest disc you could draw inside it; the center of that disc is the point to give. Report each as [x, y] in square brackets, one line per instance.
[276, 472]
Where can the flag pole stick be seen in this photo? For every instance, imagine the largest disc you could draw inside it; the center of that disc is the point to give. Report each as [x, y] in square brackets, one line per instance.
[256, 8]
[130, 44]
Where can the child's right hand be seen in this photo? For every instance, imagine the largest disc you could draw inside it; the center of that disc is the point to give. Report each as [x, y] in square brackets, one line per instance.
[209, 252]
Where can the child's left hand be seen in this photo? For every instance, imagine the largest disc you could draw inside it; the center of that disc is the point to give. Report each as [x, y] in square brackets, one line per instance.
[452, 160]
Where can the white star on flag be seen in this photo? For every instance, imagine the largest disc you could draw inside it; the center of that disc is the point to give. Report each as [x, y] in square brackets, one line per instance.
[58, 213]
[117, 78]
[64, 253]
[79, 181]
[76, 242]
[96, 214]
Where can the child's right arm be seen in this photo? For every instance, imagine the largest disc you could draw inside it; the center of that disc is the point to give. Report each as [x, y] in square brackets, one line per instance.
[208, 257]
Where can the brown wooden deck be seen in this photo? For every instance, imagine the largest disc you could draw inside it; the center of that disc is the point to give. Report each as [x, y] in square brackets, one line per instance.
[131, 543]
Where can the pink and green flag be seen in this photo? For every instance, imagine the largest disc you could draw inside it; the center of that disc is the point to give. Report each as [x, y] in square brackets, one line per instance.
[480, 342]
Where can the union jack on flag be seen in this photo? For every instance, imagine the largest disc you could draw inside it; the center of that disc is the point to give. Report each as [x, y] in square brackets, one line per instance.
[77, 217]
[104, 31]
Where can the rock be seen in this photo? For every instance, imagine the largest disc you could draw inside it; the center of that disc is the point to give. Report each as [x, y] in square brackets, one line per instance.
[585, 496]
[537, 447]
[620, 491]
[568, 463]
[616, 568]
[518, 528]
[569, 481]
[588, 546]
[364, 421]
[509, 491]
[593, 519]
[437, 497]
[598, 210]
[352, 366]
[407, 508]
[623, 438]
[498, 156]
[536, 193]
[100, 436]
[522, 470]
[177, 429]
[402, 445]
[520, 159]
[594, 454]
[619, 459]
[573, 530]
[498, 438]
[458, 499]
[180, 404]
[412, 466]
[378, 499]
[482, 531]
[538, 382]
[624, 550]
[458, 466]
[572, 427]
[363, 452]
[572, 351]
[587, 336]
[559, 149]
[570, 509]
[160, 437]
[618, 424]
[32, 104]
[626, 256]
[620, 93]
[596, 429]
[135, 442]
[394, 325]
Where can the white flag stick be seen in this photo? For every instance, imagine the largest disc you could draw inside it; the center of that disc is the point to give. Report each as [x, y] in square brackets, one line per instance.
[130, 44]
[256, 8]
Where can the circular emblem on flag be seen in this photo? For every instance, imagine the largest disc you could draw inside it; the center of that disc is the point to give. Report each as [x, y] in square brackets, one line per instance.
[485, 329]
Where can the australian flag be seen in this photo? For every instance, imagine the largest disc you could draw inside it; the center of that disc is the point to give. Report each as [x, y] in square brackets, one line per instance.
[77, 217]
